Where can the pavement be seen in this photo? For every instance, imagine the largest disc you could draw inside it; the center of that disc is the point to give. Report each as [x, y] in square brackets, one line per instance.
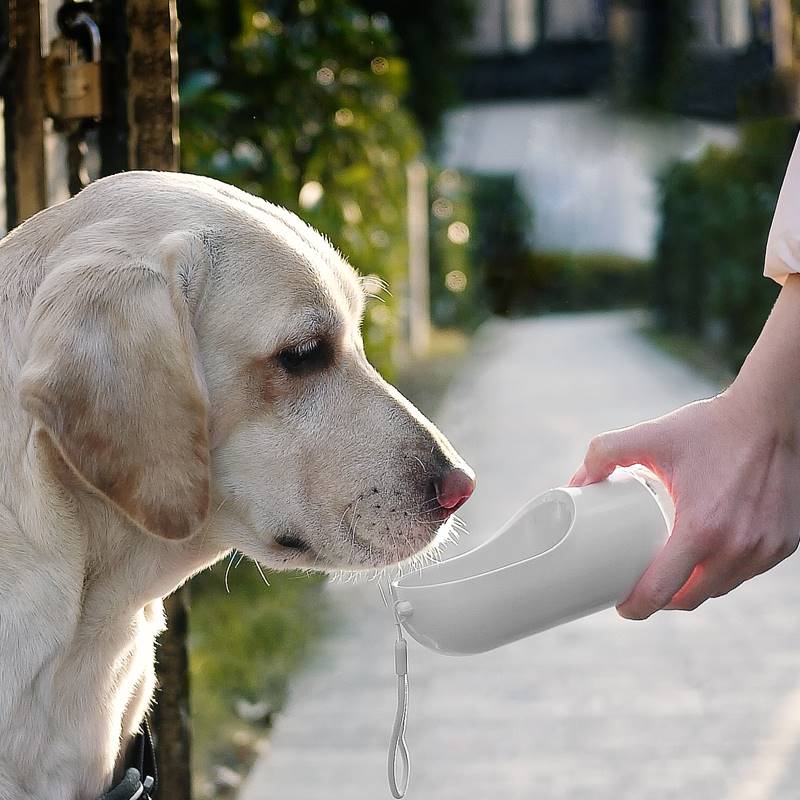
[700, 706]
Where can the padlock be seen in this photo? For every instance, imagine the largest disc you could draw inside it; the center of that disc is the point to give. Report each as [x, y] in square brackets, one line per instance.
[73, 85]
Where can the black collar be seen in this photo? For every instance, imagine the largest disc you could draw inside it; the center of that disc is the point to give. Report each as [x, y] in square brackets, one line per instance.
[141, 776]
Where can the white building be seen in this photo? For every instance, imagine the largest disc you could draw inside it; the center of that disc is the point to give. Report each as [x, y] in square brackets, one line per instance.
[541, 85]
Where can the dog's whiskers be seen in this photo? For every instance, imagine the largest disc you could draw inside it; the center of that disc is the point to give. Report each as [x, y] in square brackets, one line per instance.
[228, 569]
[352, 531]
[203, 532]
[419, 460]
[260, 572]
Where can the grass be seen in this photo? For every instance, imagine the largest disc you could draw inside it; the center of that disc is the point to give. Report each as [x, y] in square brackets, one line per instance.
[246, 645]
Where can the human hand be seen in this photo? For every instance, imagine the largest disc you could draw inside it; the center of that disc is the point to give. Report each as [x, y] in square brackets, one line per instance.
[732, 467]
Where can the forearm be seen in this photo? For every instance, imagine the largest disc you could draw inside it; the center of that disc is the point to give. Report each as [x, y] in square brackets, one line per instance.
[769, 380]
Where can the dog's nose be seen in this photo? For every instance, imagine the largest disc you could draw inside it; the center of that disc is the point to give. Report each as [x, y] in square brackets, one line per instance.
[454, 488]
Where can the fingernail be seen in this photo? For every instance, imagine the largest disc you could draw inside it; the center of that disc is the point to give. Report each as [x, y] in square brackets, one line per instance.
[628, 613]
[579, 478]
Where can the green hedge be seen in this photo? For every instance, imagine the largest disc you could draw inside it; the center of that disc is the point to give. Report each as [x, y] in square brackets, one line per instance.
[500, 243]
[506, 276]
[715, 217]
[588, 281]
[563, 281]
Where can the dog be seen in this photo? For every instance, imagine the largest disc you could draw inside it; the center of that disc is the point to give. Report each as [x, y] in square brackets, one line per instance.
[182, 374]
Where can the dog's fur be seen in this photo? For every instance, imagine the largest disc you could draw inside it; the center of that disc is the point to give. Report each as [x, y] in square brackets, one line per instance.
[158, 408]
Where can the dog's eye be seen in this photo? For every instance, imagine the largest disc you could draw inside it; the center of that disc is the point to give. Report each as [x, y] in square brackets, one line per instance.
[311, 356]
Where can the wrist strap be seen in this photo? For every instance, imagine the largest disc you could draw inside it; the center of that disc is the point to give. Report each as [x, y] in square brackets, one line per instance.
[398, 750]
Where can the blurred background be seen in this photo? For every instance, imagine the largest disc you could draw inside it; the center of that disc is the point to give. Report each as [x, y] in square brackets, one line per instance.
[569, 202]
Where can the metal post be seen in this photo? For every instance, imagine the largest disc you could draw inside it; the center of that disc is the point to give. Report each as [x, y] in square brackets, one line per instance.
[153, 143]
[782, 34]
[419, 312]
[171, 712]
[153, 140]
[26, 188]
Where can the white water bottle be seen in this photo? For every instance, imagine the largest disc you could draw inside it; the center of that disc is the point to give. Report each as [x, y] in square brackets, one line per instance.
[568, 553]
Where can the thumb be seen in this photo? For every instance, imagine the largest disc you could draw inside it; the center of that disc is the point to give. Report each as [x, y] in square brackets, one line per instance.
[638, 444]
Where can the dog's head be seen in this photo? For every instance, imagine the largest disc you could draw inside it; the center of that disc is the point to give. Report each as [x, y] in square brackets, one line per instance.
[215, 377]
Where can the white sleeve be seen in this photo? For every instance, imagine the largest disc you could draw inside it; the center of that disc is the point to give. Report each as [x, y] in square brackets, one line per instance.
[783, 244]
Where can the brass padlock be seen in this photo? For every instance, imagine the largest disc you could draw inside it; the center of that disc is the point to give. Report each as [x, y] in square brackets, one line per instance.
[73, 85]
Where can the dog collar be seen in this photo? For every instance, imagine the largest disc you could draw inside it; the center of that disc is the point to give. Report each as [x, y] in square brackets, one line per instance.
[141, 776]
[130, 787]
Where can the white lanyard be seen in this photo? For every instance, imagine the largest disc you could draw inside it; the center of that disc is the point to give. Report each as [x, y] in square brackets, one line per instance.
[398, 750]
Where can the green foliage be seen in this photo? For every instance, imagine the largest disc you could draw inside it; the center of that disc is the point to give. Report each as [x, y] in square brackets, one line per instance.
[431, 38]
[245, 645]
[500, 250]
[715, 216]
[588, 281]
[457, 291]
[506, 276]
[302, 103]
[564, 281]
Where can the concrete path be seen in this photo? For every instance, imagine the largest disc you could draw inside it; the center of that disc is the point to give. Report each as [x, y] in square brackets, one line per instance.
[702, 706]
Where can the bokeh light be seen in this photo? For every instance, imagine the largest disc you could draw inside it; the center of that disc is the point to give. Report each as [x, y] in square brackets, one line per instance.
[379, 65]
[344, 117]
[455, 281]
[442, 208]
[325, 76]
[310, 194]
[458, 232]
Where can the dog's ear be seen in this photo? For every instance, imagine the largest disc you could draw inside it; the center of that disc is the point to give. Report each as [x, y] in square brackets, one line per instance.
[113, 375]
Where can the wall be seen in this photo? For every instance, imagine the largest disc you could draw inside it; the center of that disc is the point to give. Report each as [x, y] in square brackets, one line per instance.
[587, 169]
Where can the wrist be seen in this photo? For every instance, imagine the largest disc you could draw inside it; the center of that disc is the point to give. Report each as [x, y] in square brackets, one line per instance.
[767, 387]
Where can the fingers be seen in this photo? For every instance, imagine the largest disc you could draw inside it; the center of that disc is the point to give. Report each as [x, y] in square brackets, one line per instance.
[728, 570]
[719, 574]
[663, 579]
[706, 581]
[639, 444]
[580, 477]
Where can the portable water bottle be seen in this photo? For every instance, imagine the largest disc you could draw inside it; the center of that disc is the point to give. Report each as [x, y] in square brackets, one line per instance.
[567, 553]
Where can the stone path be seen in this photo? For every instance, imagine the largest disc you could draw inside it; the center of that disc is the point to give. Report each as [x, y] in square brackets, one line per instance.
[702, 706]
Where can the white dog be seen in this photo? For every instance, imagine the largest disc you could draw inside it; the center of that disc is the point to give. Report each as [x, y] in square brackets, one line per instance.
[182, 373]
